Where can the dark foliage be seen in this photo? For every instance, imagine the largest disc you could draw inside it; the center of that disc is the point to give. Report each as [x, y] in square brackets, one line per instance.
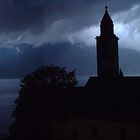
[39, 96]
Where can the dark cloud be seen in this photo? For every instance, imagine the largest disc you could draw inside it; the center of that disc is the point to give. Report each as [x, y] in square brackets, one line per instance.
[51, 2]
[14, 18]
[36, 14]
[50, 16]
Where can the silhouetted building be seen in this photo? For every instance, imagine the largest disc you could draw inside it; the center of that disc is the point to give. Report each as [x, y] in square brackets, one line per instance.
[107, 53]
[108, 107]
[107, 49]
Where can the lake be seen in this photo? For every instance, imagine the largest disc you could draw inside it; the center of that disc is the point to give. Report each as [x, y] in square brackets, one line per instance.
[8, 92]
[9, 89]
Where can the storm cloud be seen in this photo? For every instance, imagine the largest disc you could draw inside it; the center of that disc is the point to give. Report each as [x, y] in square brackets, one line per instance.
[39, 14]
[40, 21]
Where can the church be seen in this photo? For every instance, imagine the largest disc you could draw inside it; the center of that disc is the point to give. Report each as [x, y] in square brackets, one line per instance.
[108, 106]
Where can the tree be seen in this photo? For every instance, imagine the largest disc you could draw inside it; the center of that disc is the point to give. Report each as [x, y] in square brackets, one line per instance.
[38, 90]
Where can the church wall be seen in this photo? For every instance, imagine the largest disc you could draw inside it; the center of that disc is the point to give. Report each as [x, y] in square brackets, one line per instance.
[82, 129]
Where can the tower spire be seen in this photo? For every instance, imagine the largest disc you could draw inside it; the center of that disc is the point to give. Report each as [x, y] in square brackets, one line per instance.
[106, 5]
[107, 27]
[107, 48]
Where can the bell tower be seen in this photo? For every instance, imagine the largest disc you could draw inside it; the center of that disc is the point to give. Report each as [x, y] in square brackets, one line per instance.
[107, 49]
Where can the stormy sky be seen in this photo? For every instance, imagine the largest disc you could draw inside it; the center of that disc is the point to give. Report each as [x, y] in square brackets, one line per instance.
[42, 21]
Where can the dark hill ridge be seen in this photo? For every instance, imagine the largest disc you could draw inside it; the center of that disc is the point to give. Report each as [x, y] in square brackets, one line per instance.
[19, 60]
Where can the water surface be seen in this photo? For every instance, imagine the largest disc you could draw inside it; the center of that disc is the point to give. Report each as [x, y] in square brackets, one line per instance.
[8, 93]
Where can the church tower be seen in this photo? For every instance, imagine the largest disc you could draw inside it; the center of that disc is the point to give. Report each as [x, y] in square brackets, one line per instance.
[107, 49]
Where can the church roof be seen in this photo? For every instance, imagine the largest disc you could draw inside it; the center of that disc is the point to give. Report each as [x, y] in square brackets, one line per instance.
[111, 100]
[106, 18]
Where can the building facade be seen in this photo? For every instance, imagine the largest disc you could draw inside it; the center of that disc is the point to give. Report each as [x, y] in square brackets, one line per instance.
[108, 107]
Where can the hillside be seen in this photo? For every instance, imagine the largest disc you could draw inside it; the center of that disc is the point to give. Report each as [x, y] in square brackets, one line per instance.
[18, 60]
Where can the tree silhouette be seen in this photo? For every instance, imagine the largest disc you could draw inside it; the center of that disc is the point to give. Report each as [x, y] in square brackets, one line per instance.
[38, 96]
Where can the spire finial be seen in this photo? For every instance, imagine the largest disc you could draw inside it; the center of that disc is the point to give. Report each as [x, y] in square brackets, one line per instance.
[106, 3]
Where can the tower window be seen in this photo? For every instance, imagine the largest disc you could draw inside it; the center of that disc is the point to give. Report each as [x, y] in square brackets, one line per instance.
[74, 133]
[94, 132]
[123, 134]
